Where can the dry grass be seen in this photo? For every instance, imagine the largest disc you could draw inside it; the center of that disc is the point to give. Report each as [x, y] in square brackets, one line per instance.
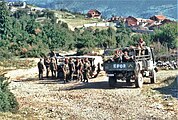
[11, 64]
[74, 21]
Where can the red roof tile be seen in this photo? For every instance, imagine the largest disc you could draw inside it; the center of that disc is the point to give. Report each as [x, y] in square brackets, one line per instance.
[160, 17]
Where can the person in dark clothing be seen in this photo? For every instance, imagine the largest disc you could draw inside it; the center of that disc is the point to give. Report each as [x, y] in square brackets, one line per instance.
[52, 54]
[40, 69]
[118, 56]
[99, 68]
[47, 65]
[77, 65]
[60, 72]
[126, 57]
[71, 69]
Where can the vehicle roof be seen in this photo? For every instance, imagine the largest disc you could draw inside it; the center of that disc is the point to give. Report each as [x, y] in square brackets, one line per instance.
[84, 56]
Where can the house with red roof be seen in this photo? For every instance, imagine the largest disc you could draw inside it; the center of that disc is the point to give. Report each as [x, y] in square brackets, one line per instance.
[158, 18]
[93, 13]
[131, 21]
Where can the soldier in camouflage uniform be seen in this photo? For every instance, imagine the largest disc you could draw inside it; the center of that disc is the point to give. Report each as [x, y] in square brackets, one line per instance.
[53, 67]
[71, 68]
[78, 69]
[66, 70]
[47, 65]
[86, 68]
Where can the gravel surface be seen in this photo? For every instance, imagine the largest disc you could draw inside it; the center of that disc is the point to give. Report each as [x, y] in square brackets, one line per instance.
[51, 99]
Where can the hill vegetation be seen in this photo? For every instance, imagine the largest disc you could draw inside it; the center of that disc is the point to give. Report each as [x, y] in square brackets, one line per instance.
[22, 35]
[137, 8]
[8, 101]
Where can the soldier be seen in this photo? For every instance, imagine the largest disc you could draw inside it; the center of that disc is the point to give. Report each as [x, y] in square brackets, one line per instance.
[86, 68]
[47, 65]
[98, 68]
[141, 43]
[52, 54]
[77, 63]
[80, 70]
[71, 69]
[66, 70]
[53, 67]
[125, 57]
[60, 71]
[40, 69]
[141, 46]
[118, 56]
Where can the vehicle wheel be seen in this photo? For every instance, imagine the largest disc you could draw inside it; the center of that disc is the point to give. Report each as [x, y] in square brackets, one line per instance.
[137, 68]
[153, 79]
[112, 82]
[139, 81]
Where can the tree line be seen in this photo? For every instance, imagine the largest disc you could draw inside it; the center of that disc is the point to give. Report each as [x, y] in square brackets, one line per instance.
[21, 35]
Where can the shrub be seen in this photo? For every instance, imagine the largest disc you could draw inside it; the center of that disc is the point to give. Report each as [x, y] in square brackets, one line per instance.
[8, 101]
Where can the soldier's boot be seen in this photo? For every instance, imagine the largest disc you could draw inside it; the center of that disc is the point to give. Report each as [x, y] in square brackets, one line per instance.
[47, 74]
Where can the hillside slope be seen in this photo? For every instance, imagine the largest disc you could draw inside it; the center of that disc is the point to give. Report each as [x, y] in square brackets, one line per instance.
[137, 8]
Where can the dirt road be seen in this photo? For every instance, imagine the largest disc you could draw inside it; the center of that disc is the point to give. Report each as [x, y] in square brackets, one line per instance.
[51, 99]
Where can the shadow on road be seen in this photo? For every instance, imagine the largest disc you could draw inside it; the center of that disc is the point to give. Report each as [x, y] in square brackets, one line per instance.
[101, 85]
[171, 89]
[26, 80]
[44, 81]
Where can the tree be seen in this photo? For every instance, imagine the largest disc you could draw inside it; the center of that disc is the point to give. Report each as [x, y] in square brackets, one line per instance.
[5, 21]
[31, 26]
[167, 34]
[19, 13]
[86, 40]
[123, 36]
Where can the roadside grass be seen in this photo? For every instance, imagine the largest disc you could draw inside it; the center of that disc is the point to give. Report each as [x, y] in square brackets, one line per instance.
[11, 64]
[18, 116]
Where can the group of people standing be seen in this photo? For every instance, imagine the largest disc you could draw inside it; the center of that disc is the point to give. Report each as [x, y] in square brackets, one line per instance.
[123, 55]
[65, 68]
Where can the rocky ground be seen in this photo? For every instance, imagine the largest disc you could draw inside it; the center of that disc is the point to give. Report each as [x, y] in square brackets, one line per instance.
[51, 99]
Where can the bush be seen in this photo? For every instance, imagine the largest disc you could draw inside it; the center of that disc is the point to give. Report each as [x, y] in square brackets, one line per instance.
[8, 101]
[5, 53]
